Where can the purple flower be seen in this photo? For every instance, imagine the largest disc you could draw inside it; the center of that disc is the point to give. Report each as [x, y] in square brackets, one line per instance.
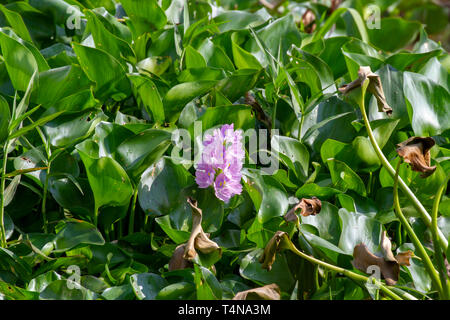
[221, 162]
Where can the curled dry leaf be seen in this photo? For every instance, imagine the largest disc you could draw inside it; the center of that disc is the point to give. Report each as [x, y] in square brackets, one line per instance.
[386, 247]
[388, 264]
[308, 207]
[178, 261]
[375, 87]
[403, 258]
[416, 152]
[363, 259]
[198, 239]
[268, 292]
[275, 244]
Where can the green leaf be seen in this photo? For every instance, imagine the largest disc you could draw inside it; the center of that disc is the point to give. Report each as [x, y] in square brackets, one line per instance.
[427, 104]
[16, 22]
[103, 69]
[109, 181]
[339, 128]
[162, 188]
[70, 128]
[250, 268]
[123, 292]
[145, 16]
[237, 20]
[278, 35]
[394, 34]
[146, 286]
[268, 195]
[208, 288]
[327, 223]
[11, 292]
[238, 83]
[74, 233]
[311, 189]
[20, 62]
[35, 124]
[240, 115]
[358, 228]
[243, 59]
[39, 283]
[59, 290]
[344, 177]
[179, 95]
[5, 118]
[137, 153]
[193, 58]
[180, 290]
[293, 153]
[107, 41]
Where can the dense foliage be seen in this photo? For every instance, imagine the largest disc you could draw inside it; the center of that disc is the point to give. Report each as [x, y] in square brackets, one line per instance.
[99, 200]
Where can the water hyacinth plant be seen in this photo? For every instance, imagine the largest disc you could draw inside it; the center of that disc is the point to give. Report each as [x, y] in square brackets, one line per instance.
[321, 173]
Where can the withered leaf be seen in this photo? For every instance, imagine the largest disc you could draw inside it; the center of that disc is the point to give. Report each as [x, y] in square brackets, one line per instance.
[198, 239]
[363, 259]
[386, 247]
[270, 251]
[308, 207]
[177, 261]
[403, 258]
[416, 152]
[268, 292]
[375, 87]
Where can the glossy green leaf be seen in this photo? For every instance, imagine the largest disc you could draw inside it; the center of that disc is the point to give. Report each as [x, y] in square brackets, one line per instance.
[74, 233]
[427, 104]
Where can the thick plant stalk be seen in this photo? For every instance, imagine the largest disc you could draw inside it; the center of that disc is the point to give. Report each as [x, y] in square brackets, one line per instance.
[417, 244]
[132, 213]
[345, 272]
[44, 200]
[415, 202]
[437, 248]
[2, 196]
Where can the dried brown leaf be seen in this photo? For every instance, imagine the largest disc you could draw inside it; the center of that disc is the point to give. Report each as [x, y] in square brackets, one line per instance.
[268, 292]
[308, 207]
[416, 152]
[177, 261]
[198, 239]
[270, 251]
[386, 247]
[403, 258]
[375, 87]
[363, 259]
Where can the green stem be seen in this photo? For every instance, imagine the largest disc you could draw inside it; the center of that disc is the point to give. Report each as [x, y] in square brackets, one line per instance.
[2, 195]
[44, 199]
[96, 216]
[415, 202]
[437, 247]
[399, 234]
[345, 272]
[417, 244]
[300, 126]
[133, 209]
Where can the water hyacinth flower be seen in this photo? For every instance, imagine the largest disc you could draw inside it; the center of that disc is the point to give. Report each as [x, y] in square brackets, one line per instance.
[221, 162]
